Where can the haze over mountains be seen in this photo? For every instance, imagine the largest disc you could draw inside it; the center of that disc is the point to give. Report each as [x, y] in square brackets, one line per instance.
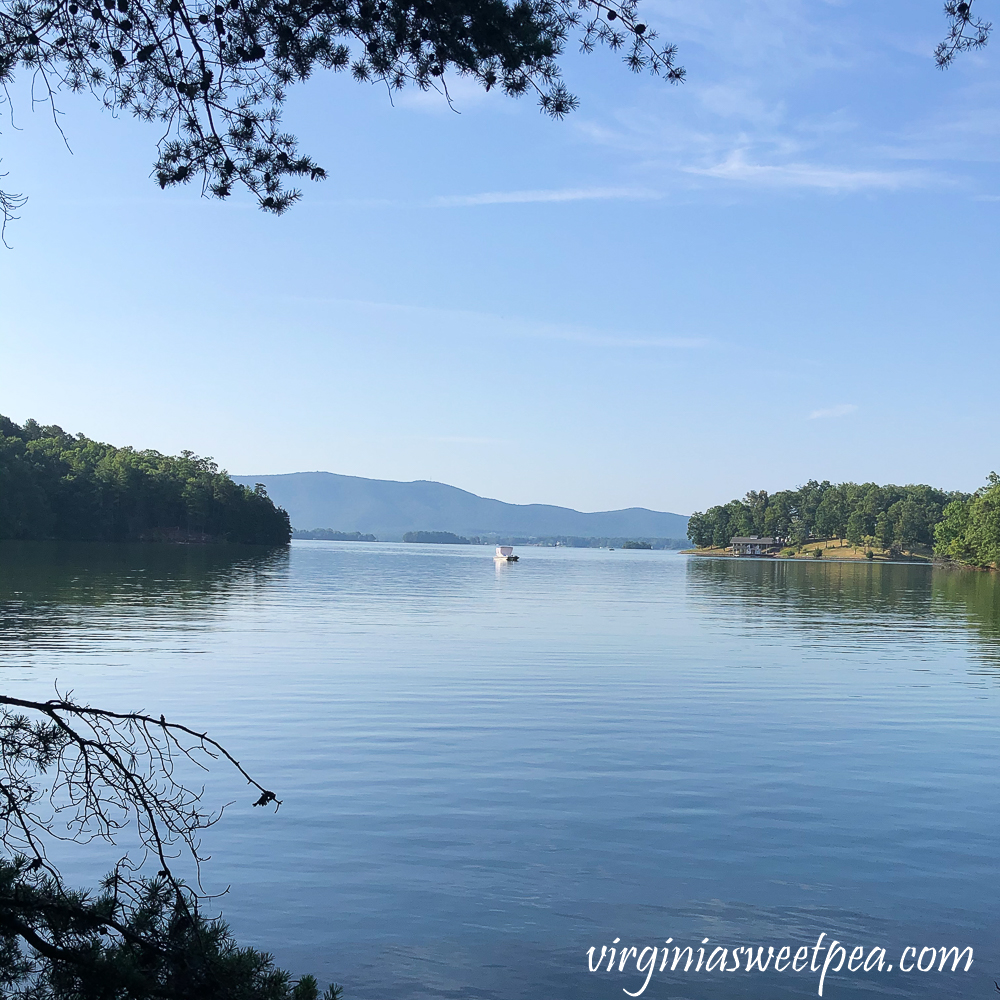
[388, 509]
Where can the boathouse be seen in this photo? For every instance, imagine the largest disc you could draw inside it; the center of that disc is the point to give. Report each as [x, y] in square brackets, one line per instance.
[754, 546]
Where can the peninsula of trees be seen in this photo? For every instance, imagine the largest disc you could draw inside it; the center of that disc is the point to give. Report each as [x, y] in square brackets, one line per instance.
[894, 519]
[439, 538]
[55, 485]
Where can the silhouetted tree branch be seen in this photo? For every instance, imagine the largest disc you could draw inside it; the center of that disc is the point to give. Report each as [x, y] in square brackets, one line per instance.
[215, 72]
[76, 773]
[9, 204]
[97, 771]
[966, 32]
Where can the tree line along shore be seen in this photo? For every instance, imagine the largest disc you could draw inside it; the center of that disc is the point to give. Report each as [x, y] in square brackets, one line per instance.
[874, 521]
[55, 485]
[60, 486]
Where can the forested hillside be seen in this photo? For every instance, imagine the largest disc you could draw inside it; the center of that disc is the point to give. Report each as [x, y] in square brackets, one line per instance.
[55, 485]
[891, 518]
[884, 517]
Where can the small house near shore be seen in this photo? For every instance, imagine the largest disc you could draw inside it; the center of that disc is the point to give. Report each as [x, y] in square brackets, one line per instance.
[754, 546]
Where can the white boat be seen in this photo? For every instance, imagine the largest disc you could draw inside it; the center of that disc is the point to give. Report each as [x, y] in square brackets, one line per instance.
[505, 553]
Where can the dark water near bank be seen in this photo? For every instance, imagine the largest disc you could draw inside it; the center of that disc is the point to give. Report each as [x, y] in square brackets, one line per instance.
[486, 770]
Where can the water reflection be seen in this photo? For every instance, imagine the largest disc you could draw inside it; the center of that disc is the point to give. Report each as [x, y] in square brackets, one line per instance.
[976, 596]
[860, 589]
[864, 599]
[486, 773]
[57, 593]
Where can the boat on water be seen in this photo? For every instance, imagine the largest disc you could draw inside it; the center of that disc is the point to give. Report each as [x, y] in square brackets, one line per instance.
[505, 553]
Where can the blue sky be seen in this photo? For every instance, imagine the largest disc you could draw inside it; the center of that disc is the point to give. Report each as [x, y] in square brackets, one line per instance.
[783, 269]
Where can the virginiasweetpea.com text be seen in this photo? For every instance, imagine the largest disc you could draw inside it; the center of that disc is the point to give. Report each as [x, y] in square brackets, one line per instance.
[641, 964]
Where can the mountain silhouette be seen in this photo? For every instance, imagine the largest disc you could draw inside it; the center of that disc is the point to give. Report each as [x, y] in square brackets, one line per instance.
[388, 509]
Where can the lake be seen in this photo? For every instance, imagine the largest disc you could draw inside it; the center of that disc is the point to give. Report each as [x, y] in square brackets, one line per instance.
[488, 769]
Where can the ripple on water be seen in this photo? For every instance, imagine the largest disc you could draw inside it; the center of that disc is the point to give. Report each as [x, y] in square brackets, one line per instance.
[488, 769]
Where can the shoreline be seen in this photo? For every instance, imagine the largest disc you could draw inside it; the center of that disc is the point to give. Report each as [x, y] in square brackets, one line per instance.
[831, 551]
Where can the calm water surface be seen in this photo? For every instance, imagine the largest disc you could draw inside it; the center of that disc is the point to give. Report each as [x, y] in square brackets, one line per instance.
[488, 769]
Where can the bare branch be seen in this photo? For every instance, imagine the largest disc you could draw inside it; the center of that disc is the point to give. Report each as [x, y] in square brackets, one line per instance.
[97, 772]
[9, 204]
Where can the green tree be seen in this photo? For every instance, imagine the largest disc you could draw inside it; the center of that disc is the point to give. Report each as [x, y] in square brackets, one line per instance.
[700, 529]
[755, 507]
[721, 529]
[949, 533]
[885, 530]
[969, 531]
[810, 499]
[61, 944]
[911, 525]
[740, 519]
[831, 514]
[778, 516]
[857, 527]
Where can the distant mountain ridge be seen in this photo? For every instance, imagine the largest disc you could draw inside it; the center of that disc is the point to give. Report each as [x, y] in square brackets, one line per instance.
[388, 509]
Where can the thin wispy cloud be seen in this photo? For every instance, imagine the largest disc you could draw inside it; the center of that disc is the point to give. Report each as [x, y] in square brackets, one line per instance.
[459, 439]
[598, 340]
[807, 175]
[390, 316]
[550, 195]
[964, 129]
[780, 37]
[541, 196]
[756, 117]
[842, 410]
[758, 154]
